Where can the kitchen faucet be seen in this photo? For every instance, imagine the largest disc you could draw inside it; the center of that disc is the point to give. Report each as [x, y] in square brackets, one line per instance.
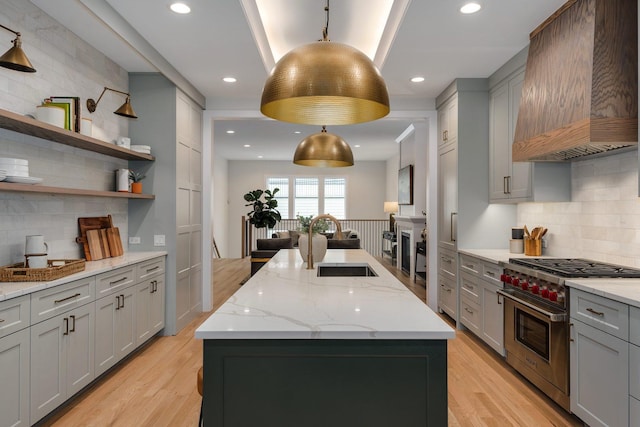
[337, 235]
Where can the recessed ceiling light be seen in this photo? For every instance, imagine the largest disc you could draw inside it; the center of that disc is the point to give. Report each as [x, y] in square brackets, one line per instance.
[247, 145]
[260, 157]
[297, 132]
[357, 145]
[180, 8]
[229, 79]
[231, 131]
[471, 7]
[417, 79]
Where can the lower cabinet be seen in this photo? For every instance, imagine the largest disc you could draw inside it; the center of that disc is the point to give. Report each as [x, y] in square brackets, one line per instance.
[14, 379]
[149, 308]
[600, 376]
[481, 309]
[61, 358]
[447, 297]
[115, 325]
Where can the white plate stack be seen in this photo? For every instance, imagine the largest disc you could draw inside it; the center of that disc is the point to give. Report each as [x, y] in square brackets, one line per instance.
[145, 149]
[17, 171]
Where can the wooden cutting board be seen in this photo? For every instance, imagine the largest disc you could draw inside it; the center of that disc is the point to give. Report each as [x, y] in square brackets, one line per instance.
[92, 223]
[98, 244]
[115, 243]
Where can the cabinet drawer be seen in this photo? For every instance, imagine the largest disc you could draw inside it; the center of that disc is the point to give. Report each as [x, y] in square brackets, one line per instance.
[601, 313]
[447, 298]
[492, 272]
[112, 281]
[634, 371]
[471, 265]
[634, 326]
[469, 287]
[14, 314]
[148, 269]
[50, 302]
[470, 315]
[447, 264]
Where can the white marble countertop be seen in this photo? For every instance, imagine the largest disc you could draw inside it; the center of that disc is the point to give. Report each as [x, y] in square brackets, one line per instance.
[284, 300]
[626, 291]
[15, 289]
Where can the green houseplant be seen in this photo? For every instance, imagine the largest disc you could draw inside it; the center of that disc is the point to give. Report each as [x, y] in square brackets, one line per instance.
[264, 212]
[320, 226]
[136, 177]
[318, 241]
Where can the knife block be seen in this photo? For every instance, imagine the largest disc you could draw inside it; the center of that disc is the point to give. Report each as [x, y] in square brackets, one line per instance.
[532, 247]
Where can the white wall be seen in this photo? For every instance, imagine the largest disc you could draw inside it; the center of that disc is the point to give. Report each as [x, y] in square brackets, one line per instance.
[66, 65]
[366, 184]
[392, 178]
[602, 222]
[221, 222]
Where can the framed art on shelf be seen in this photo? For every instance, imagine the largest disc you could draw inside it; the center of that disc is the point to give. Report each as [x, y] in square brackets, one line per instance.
[405, 185]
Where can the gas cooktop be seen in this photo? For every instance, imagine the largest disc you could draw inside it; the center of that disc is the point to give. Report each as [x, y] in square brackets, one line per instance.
[577, 267]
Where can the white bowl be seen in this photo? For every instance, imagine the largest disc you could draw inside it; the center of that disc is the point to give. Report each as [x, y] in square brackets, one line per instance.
[16, 172]
[10, 161]
[14, 167]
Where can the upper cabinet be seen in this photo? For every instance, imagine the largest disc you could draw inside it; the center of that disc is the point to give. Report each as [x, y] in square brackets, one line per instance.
[509, 181]
[580, 94]
[448, 122]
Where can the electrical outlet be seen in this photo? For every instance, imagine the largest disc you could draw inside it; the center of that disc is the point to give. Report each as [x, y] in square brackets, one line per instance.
[134, 240]
[544, 243]
[158, 240]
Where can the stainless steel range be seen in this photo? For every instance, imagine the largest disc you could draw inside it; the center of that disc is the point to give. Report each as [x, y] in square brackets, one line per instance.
[536, 317]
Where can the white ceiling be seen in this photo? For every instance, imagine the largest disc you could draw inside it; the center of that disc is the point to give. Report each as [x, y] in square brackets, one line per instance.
[214, 41]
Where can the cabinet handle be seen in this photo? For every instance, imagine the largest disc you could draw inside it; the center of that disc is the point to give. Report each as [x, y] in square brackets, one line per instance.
[499, 302]
[67, 298]
[468, 286]
[122, 296]
[445, 135]
[504, 185]
[468, 311]
[489, 273]
[155, 286]
[117, 302]
[1, 320]
[66, 326]
[570, 327]
[149, 270]
[451, 231]
[597, 313]
[118, 281]
[509, 184]
[73, 324]
[469, 266]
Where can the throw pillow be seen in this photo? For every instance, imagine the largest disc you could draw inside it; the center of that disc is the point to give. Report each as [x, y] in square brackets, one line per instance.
[295, 235]
[283, 234]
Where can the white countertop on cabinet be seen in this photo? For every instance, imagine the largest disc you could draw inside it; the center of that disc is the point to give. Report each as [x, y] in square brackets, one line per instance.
[496, 255]
[15, 289]
[626, 291]
[284, 300]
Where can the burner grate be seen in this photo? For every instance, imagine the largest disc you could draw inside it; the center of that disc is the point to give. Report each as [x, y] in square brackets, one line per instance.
[577, 267]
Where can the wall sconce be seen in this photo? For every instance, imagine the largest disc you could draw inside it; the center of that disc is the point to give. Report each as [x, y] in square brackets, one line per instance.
[391, 208]
[125, 110]
[15, 58]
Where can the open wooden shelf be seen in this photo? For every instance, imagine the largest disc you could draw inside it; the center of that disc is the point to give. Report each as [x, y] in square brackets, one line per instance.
[28, 126]
[28, 188]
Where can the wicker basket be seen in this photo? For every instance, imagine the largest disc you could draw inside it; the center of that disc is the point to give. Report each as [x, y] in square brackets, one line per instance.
[18, 272]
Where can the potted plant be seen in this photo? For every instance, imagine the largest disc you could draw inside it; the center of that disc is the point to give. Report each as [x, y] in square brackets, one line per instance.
[264, 213]
[318, 241]
[136, 178]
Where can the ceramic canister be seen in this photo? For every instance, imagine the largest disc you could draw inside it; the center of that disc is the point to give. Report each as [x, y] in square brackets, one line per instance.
[51, 114]
[122, 180]
[35, 245]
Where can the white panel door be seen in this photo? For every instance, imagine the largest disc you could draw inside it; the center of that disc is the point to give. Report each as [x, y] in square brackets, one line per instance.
[14, 379]
[500, 141]
[520, 185]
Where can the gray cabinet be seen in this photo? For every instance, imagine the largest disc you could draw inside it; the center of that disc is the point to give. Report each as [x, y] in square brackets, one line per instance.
[447, 282]
[447, 195]
[149, 299]
[481, 309]
[61, 359]
[448, 122]
[509, 181]
[599, 360]
[115, 325]
[14, 362]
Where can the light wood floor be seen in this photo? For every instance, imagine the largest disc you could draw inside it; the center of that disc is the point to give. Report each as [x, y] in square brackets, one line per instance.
[156, 386]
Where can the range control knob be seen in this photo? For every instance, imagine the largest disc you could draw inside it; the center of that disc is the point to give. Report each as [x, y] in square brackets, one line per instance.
[553, 296]
[545, 293]
[524, 286]
[503, 277]
[535, 288]
[515, 281]
[508, 279]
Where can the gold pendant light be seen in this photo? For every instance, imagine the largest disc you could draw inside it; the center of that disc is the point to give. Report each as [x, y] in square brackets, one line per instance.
[325, 83]
[323, 149]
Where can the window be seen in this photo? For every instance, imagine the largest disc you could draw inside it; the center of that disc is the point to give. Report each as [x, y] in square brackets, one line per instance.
[310, 195]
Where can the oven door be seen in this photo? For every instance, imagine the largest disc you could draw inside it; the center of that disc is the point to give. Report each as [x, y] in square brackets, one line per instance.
[536, 341]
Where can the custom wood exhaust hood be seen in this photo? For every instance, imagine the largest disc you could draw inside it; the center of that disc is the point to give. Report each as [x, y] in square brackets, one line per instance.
[580, 94]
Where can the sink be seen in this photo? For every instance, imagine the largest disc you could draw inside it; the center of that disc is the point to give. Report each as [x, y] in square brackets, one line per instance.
[345, 270]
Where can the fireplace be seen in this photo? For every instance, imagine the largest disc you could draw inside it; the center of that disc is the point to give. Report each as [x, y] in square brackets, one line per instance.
[406, 252]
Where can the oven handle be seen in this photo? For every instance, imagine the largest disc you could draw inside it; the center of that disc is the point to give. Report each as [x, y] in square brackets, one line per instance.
[553, 317]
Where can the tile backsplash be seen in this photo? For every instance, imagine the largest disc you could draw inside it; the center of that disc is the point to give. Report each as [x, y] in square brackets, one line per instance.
[66, 66]
[602, 222]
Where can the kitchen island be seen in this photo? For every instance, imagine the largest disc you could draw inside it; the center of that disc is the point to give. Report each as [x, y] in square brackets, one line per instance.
[294, 349]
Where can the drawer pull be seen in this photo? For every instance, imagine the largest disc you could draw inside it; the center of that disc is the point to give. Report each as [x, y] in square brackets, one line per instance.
[58, 301]
[122, 296]
[73, 324]
[447, 260]
[117, 302]
[1, 320]
[490, 273]
[66, 326]
[597, 313]
[149, 270]
[118, 281]
[470, 266]
[468, 311]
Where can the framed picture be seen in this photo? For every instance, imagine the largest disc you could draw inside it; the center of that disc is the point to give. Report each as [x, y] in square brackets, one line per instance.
[405, 185]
